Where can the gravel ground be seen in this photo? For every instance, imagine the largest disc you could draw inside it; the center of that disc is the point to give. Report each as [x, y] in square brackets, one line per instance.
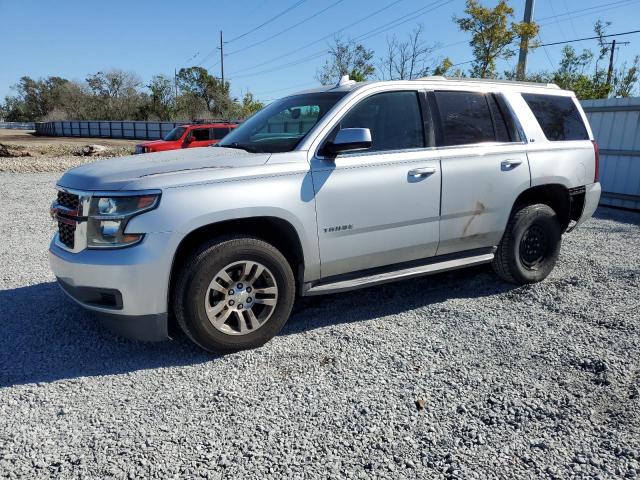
[53, 154]
[531, 382]
[43, 164]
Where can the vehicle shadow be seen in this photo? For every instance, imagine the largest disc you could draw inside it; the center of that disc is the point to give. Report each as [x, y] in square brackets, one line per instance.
[46, 337]
[393, 298]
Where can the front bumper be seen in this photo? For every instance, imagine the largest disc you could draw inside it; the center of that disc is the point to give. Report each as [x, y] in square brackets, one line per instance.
[127, 287]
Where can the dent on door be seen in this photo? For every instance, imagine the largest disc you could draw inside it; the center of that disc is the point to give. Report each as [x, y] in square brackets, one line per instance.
[478, 192]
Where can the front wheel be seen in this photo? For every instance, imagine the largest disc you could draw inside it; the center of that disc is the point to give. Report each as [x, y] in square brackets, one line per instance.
[530, 246]
[234, 293]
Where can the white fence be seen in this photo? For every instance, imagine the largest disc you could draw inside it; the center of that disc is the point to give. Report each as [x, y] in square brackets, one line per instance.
[616, 126]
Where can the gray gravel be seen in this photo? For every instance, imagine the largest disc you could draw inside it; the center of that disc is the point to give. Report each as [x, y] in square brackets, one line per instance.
[531, 382]
[38, 164]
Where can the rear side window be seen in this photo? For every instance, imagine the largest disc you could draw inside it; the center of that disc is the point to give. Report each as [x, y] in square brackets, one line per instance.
[558, 117]
[465, 118]
[200, 134]
[217, 133]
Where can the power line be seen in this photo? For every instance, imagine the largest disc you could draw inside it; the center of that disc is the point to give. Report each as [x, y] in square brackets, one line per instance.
[402, 20]
[590, 38]
[368, 34]
[566, 8]
[375, 31]
[320, 39]
[282, 66]
[290, 87]
[286, 29]
[275, 17]
[596, 7]
[555, 16]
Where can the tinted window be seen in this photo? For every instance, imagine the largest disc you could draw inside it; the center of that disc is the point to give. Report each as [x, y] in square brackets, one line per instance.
[393, 118]
[558, 116]
[499, 121]
[465, 118]
[281, 125]
[218, 133]
[174, 134]
[200, 134]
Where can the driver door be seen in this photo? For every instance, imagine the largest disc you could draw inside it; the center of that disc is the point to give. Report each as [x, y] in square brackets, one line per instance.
[379, 206]
[200, 137]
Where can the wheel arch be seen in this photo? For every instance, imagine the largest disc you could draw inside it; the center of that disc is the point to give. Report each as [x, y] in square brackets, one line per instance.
[278, 232]
[556, 196]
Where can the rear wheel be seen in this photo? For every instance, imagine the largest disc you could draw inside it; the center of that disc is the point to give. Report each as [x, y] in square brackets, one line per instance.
[530, 246]
[234, 293]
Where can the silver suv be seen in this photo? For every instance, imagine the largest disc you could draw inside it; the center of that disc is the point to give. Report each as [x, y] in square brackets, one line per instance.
[325, 191]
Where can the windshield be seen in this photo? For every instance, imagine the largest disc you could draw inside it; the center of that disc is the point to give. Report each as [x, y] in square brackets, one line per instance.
[174, 134]
[281, 126]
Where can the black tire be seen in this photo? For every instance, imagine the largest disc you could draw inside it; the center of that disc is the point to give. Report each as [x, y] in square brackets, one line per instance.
[192, 286]
[530, 246]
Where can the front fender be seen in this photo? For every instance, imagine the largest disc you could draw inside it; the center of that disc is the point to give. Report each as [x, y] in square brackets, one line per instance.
[286, 197]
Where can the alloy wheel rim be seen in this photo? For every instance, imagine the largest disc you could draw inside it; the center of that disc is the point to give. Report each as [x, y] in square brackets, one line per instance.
[534, 247]
[241, 297]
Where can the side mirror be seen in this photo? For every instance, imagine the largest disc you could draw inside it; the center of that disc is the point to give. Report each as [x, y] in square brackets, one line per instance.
[190, 138]
[349, 140]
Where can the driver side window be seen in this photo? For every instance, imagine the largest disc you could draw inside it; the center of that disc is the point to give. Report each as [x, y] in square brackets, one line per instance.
[394, 119]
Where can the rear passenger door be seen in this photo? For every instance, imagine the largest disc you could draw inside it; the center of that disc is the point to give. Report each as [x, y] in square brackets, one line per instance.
[484, 167]
[200, 137]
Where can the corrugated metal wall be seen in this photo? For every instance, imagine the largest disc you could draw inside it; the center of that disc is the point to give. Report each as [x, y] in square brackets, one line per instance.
[106, 129]
[616, 126]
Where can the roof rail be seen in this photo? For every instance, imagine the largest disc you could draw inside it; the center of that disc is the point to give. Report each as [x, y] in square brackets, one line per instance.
[490, 80]
[200, 121]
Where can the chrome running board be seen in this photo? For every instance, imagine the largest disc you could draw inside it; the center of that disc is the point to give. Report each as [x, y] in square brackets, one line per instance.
[406, 273]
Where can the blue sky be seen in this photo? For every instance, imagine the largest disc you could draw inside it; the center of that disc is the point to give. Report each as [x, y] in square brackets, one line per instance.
[73, 38]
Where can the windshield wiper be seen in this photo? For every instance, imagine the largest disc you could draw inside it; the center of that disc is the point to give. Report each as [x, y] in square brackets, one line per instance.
[239, 146]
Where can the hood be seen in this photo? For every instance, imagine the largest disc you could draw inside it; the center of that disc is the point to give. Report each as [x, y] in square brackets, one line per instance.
[116, 173]
[155, 142]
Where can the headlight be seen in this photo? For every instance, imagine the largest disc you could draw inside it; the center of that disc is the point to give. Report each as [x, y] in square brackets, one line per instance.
[109, 215]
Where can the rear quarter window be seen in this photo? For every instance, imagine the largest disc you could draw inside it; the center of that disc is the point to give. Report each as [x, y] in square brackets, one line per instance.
[558, 117]
[218, 133]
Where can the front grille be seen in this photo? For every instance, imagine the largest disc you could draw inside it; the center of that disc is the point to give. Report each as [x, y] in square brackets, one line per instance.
[68, 200]
[67, 233]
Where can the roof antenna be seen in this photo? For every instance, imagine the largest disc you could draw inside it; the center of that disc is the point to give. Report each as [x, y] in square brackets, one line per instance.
[344, 80]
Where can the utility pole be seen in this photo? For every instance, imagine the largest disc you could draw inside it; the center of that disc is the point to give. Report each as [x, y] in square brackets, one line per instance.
[221, 47]
[524, 42]
[175, 82]
[613, 50]
[610, 71]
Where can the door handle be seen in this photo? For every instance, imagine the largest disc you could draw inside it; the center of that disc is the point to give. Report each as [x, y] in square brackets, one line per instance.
[422, 172]
[510, 164]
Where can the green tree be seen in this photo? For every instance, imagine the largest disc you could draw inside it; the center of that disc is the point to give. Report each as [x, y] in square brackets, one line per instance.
[347, 58]
[493, 35]
[249, 106]
[116, 95]
[34, 99]
[209, 91]
[585, 73]
[161, 102]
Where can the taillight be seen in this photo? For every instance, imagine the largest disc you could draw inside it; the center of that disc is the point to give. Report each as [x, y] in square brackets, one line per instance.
[596, 151]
